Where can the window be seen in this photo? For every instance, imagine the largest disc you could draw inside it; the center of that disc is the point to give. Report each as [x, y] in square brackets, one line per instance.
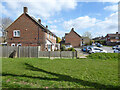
[19, 44]
[50, 36]
[116, 37]
[16, 33]
[13, 44]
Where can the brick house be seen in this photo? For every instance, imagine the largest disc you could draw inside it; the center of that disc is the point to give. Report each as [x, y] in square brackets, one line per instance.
[72, 38]
[113, 39]
[27, 31]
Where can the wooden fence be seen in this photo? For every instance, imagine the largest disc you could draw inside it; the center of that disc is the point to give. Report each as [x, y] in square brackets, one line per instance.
[27, 51]
[30, 51]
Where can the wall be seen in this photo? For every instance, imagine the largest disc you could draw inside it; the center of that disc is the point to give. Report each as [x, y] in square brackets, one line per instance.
[73, 39]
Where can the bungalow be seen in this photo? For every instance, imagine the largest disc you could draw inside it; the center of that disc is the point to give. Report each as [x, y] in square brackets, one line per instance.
[27, 31]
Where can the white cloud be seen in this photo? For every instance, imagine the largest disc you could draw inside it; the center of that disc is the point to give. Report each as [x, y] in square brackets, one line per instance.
[111, 8]
[80, 23]
[40, 8]
[54, 29]
[96, 27]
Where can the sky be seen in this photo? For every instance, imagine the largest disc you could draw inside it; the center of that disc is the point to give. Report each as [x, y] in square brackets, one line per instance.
[97, 17]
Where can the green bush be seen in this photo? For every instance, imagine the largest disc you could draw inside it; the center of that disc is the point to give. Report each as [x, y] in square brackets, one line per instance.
[103, 56]
[63, 48]
[70, 49]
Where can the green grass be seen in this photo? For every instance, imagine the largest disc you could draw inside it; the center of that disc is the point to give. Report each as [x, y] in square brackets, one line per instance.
[59, 73]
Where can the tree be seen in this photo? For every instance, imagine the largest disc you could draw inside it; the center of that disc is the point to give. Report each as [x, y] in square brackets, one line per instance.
[87, 34]
[58, 40]
[4, 23]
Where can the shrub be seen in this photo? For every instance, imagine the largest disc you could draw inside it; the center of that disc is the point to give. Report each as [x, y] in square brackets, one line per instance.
[103, 56]
[63, 48]
[70, 49]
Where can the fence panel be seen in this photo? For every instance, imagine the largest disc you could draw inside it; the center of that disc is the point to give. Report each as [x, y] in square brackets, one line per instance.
[54, 53]
[66, 54]
[43, 54]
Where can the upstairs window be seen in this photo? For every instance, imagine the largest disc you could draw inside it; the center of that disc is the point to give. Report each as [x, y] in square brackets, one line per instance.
[16, 33]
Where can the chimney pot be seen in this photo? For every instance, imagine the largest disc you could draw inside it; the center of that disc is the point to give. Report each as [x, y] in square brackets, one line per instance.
[46, 26]
[116, 32]
[39, 20]
[72, 29]
[25, 10]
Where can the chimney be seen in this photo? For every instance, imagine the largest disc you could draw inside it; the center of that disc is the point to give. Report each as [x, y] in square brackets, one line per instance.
[46, 26]
[39, 20]
[72, 29]
[25, 10]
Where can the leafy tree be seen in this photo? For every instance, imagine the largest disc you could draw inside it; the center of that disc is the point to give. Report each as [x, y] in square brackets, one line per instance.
[58, 40]
[4, 23]
[87, 34]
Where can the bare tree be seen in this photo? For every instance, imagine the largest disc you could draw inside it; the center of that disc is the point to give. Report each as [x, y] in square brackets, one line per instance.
[87, 34]
[4, 23]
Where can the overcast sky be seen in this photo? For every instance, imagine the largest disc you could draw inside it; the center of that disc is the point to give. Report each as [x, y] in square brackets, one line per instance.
[99, 17]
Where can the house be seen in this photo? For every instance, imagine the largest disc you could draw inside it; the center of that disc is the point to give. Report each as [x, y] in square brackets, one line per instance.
[86, 40]
[113, 39]
[99, 38]
[72, 39]
[27, 31]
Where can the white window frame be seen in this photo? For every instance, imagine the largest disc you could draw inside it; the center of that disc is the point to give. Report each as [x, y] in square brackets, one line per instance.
[116, 37]
[19, 44]
[13, 44]
[16, 33]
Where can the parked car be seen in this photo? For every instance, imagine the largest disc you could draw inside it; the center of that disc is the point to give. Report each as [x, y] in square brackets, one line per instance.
[97, 50]
[86, 48]
[117, 50]
[99, 45]
[114, 47]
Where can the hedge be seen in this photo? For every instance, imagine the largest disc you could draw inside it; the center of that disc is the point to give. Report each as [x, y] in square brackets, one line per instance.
[103, 56]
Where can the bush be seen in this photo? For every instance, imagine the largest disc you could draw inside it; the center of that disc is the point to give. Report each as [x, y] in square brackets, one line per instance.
[63, 48]
[103, 56]
[70, 49]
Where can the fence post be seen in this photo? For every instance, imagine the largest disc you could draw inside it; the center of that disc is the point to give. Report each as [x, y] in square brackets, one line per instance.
[49, 54]
[18, 52]
[76, 54]
[60, 54]
[72, 54]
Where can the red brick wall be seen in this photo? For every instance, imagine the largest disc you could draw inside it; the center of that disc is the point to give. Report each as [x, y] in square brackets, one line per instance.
[51, 39]
[73, 39]
[28, 32]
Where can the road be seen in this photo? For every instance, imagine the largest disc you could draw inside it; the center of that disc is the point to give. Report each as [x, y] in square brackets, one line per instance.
[108, 49]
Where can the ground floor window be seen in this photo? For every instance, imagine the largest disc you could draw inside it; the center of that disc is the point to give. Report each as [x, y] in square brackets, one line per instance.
[19, 44]
[13, 44]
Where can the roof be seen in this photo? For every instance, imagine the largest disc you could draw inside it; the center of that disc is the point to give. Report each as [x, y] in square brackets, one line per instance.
[113, 35]
[72, 30]
[44, 28]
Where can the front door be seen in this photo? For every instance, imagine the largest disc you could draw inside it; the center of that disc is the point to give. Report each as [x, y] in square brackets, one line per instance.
[49, 47]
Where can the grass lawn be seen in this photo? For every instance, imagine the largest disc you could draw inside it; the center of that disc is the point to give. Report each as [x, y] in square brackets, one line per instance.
[59, 73]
